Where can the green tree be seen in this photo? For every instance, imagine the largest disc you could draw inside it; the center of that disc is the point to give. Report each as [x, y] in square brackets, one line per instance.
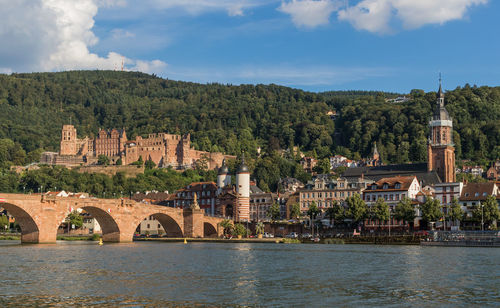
[404, 211]
[274, 212]
[4, 222]
[488, 210]
[313, 211]
[239, 229]
[149, 164]
[119, 162]
[356, 208]
[455, 212]
[103, 160]
[227, 226]
[431, 210]
[336, 212]
[74, 218]
[323, 166]
[380, 210]
[295, 211]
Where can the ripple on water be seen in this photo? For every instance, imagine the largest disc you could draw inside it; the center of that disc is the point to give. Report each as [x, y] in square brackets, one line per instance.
[213, 274]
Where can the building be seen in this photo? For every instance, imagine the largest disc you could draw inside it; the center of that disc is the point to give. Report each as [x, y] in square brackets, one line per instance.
[474, 170]
[374, 160]
[150, 226]
[424, 177]
[163, 149]
[473, 194]
[324, 191]
[492, 174]
[308, 163]
[206, 194]
[392, 190]
[259, 205]
[445, 192]
[289, 184]
[233, 201]
[440, 149]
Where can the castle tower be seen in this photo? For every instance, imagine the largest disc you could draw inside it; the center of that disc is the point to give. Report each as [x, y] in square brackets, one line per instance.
[242, 212]
[223, 177]
[441, 150]
[69, 142]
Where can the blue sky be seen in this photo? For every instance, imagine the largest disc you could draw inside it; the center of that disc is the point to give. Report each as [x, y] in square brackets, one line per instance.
[318, 45]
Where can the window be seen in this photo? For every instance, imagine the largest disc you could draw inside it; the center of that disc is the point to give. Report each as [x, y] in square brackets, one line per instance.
[476, 194]
[385, 186]
[485, 194]
[466, 194]
[148, 226]
[374, 186]
[397, 185]
[159, 226]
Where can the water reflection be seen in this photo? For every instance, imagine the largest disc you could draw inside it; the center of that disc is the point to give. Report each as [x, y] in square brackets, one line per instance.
[214, 274]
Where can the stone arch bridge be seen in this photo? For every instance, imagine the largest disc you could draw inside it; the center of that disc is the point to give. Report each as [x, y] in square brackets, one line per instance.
[39, 217]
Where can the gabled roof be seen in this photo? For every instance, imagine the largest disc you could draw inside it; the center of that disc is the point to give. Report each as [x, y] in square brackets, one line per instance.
[376, 173]
[391, 182]
[477, 191]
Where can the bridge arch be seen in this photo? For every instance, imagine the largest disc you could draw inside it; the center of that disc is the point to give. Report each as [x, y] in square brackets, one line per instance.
[30, 231]
[209, 230]
[109, 227]
[172, 227]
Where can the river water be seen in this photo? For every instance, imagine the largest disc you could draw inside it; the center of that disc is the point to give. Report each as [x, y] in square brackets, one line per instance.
[146, 274]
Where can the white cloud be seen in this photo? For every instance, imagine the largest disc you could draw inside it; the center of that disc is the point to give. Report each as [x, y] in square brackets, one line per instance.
[47, 35]
[309, 13]
[371, 15]
[415, 14]
[377, 15]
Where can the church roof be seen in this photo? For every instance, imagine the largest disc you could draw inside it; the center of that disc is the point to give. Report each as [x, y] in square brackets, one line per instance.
[440, 112]
[379, 172]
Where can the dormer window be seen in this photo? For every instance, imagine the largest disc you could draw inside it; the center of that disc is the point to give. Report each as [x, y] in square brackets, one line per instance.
[374, 186]
[385, 186]
[397, 185]
[485, 194]
[476, 194]
[466, 194]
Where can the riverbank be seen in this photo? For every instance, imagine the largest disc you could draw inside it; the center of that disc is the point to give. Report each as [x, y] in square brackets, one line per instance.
[382, 240]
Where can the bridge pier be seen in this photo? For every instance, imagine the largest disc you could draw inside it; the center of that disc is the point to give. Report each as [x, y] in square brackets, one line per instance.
[193, 222]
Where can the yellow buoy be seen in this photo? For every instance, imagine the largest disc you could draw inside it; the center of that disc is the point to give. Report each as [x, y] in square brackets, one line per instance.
[185, 241]
[100, 242]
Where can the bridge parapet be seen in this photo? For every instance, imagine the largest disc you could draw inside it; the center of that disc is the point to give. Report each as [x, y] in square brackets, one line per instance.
[40, 216]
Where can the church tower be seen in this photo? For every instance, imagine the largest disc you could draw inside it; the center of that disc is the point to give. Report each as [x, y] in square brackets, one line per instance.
[441, 150]
[243, 192]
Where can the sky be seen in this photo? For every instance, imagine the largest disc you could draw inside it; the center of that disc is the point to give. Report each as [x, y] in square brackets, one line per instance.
[315, 45]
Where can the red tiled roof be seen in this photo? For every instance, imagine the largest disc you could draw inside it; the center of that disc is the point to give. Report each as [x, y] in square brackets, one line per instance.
[483, 190]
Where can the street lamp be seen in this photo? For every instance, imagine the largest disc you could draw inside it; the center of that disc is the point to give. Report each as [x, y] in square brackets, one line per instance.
[389, 221]
[482, 217]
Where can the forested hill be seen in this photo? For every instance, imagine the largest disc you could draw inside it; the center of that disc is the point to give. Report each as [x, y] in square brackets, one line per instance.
[232, 119]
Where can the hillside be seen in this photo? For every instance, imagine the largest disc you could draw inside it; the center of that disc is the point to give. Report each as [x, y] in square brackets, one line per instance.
[232, 119]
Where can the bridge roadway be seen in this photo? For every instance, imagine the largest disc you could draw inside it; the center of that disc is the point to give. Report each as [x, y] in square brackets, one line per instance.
[39, 217]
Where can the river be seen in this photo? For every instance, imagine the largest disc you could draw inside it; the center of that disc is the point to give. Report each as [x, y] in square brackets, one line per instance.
[146, 274]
